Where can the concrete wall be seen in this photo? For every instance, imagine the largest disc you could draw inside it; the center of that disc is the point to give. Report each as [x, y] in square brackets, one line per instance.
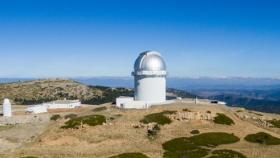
[122, 100]
[150, 89]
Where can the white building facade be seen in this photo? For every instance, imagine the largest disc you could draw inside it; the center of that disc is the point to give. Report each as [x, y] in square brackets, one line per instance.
[59, 104]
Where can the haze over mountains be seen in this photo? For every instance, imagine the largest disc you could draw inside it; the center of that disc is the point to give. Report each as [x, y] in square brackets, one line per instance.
[179, 83]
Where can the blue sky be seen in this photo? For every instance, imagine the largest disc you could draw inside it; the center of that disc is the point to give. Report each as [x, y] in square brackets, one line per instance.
[67, 38]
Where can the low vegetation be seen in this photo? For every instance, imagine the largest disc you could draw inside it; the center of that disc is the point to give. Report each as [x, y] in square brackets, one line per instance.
[213, 139]
[91, 120]
[262, 138]
[152, 133]
[195, 131]
[186, 110]
[55, 117]
[5, 127]
[196, 146]
[159, 118]
[130, 155]
[100, 109]
[223, 119]
[225, 153]
[70, 116]
[275, 123]
[108, 95]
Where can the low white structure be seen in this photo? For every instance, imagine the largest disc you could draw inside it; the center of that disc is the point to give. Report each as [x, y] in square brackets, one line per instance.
[218, 102]
[130, 103]
[63, 104]
[120, 101]
[7, 108]
[59, 104]
[36, 109]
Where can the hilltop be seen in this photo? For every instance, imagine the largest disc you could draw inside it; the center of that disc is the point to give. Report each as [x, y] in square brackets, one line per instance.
[39, 91]
[180, 129]
[105, 131]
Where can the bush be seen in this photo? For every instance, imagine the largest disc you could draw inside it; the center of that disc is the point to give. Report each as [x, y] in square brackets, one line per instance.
[226, 154]
[195, 132]
[55, 117]
[262, 138]
[91, 120]
[213, 139]
[100, 109]
[186, 110]
[158, 118]
[169, 112]
[196, 146]
[223, 119]
[152, 133]
[275, 123]
[70, 116]
[130, 155]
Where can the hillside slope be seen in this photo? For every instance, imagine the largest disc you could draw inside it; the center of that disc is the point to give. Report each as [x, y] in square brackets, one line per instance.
[124, 133]
[38, 91]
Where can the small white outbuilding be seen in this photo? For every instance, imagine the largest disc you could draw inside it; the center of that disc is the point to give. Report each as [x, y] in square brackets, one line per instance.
[7, 108]
[59, 104]
[130, 103]
[63, 104]
[36, 109]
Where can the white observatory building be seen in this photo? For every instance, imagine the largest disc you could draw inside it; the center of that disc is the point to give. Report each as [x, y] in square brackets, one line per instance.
[150, 78]
[7, 108]
[149, 82]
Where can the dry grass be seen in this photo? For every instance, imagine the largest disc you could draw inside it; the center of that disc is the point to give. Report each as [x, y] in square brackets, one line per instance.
[118, 136]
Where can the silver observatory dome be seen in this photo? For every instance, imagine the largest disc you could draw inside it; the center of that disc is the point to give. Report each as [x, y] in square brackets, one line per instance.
[149, 61]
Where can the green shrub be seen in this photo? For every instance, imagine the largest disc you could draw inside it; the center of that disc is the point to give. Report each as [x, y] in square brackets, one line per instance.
[239, 111]
[55, 117]
[223, 119]
[70, 116]
[226, 154]
[186, 110]
[91, 120]
[100, 109]
[158, 118]
[183, 147]
[196, 146]
[195, 131]
[130, 155]
[168, 112]
[275, 123]
[213, 139]
[152, 133]
[262, 138]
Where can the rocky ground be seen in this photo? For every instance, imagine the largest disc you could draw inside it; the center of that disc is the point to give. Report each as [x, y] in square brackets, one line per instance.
[124, 132]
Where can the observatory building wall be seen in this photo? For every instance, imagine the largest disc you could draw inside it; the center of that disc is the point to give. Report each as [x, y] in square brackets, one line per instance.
[150, 89]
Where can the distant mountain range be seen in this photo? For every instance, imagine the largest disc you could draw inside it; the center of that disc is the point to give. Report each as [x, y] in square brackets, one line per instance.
[178, 83]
